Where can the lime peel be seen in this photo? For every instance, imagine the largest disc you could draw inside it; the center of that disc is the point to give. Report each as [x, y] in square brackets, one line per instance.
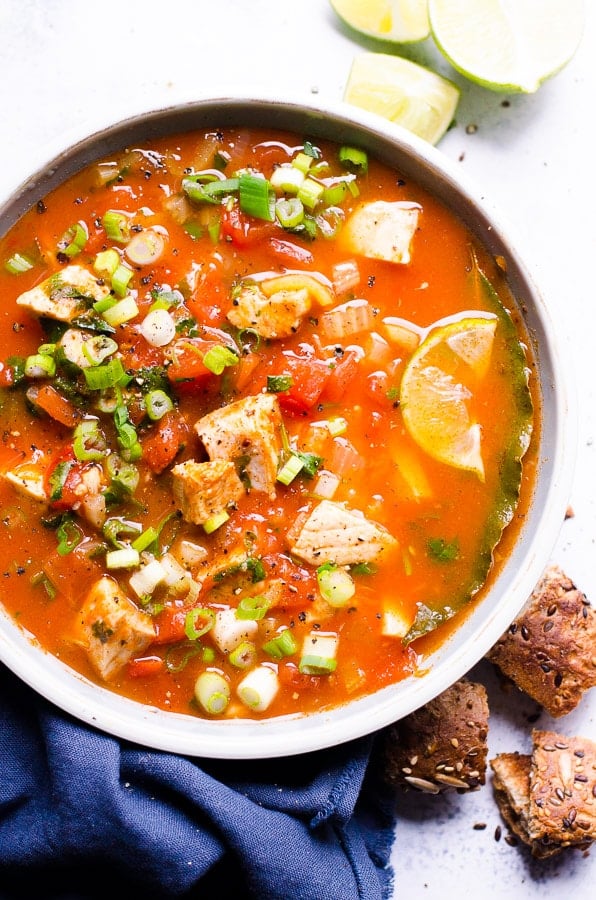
[507, 45]
[393, 21]
[403, 92]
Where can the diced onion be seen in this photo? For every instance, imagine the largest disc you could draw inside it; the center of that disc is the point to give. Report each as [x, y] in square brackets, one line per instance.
[229, 631]
[146, 579]
[346, 319]
[336, 585]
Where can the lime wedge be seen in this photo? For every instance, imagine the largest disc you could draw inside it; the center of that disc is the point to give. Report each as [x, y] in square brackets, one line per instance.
[507, 45]
[395, 21]
[403, 92]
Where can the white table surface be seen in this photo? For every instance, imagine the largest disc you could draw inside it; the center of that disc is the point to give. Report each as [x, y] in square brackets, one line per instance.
[64, 63]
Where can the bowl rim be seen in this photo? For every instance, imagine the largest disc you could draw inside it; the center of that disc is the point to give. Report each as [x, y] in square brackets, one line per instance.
[276, 737]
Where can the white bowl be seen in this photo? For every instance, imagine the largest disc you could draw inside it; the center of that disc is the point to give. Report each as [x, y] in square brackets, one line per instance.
[490, 616]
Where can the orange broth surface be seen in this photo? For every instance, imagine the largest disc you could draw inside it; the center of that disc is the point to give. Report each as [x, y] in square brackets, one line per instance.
[338, 404]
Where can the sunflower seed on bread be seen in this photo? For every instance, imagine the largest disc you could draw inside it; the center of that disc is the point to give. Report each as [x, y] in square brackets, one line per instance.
[549, 650]
[548, 798]
[442, 745]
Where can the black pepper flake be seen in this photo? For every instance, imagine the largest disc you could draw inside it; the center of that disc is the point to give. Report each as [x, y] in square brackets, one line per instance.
[21, 571]
[41, 207]
[498, 833]
[545, 668]
[61, 257]
[479, 826]
[558, 680]
[371, 281]
[513, 628]
[511, 840]
[302, 617]
[401, 182]
[525, 633]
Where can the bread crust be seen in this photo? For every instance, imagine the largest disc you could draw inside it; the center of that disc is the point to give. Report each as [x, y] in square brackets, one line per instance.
[443, 744]
[549, 651]
[548, 799]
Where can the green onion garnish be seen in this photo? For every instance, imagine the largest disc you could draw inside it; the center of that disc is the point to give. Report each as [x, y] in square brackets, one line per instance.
[316, 665]
[353, 159]
[69, 536]
[256, 197]
[157, 404]
[117, 226]
[98, 348]
[127, 558]
[290, 469]
[89, 443]
[244, 655]
[74, 239]
[120, 280]
[335, 584]
[115, 526]
[215, 522]
[252, 607]
[310, 193]
[109, 375]
[212, 692]
[290, 212]
[40, 365]
[218, 358]
[198, 622]
[106, 262]
[17, 264]
[283, 644]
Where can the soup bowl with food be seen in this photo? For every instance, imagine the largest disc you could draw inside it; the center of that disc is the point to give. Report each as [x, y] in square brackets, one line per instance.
[284, 428]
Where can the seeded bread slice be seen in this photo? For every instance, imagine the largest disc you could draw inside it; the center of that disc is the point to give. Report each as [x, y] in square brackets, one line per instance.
[548, 799]
[443, 744]
[549, 651]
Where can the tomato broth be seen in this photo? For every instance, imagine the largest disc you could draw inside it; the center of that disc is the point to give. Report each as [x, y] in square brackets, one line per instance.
[214, 498]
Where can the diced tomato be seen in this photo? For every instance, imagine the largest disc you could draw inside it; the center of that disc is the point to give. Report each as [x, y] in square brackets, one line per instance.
[6, 375]
[209, 297]
[145, 666]
[57, 406]
[66, 468]
[294, 253]
[342, 374]
[245, 369]
[291, 677]
[245, 231]
[136, 352]
[309, 377]
[169, 625]
[300, 583]
[165, 440]
[188, 362]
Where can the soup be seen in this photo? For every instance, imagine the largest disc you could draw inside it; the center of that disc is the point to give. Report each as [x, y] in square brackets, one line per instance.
[264, 407]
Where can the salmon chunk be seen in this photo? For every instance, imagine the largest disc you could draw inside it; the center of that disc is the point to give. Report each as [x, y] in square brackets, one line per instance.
[65, 295]
[202, 490]
[249, 432]
[114, 629]
[333, 533]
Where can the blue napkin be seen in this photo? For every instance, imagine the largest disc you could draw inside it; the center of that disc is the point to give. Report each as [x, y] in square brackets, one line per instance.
[85, 815]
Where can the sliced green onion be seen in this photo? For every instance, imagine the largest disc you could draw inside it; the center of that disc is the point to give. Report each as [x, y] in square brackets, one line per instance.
[283, 644]
[120, 280]
[69, 536]
[117, 226]
[98, 348]
[319, 653]
[89, 443]
[258, 688]
[302, 161]
[244, 655]
[122, 311]
[316, 665]
[335, 193]
[310, 193]
[212, 692]
[116, 526]
[157, 404]
[57, 479]
[252, 607]
[290, 469]
[124, 476]
[256, 197]
[198, 622]
[74, 239]
[17, 264]
[353, 159]
[277, 383]
[126, 558]
[146, 539]
[337, 425]
[145, 248]
[106, 262]
[287, 178]
[42, 578]
[218, 358]
[179, 655]
[335, 584]
[40, 365]
[215, 522]
[290, 212]
[110, 374]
